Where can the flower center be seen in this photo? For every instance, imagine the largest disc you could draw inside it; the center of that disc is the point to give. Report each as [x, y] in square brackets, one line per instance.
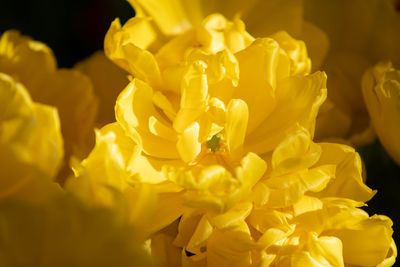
[213, 143]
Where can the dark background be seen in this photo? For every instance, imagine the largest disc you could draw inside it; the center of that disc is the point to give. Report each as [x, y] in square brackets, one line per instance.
[75, 29]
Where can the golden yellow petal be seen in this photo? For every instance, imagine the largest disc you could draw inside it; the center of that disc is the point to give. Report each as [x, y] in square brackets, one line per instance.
[125, 50]
[194, 89]
[348, 182]
[170, 16]
[296, 152]
[24, 59]
[298, 99]
[230, 248]
[108, 81]
[30, 139]
[134, 110]
[259, 69]
[188, 145]
[381, 89]
[236, 124]
[296, 51]
[368, 242]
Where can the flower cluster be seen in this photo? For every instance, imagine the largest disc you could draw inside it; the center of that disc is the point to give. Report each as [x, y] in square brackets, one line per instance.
[33, 64]
[219, 125]
[211, 157]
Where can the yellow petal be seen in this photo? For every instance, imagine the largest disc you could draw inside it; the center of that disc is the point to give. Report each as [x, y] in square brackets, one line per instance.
[258, 73]
[296, 152]
[163, 250]
[317, 42]
[134, 110]
[194, 89]
[230, 248]
[105, 167]
[188, 144]
[108, 80]
[170, 16]
[381, 89]
[125, 50]
[348, 182]
[326, 250]
[296, 51]
[368, 242]
[33, 64]
[30, 140]
[66, 218]
[236, 125]
[267, 17]
[200, 236]
[25, 59]
[283, 191]
[232, 217]
[298, 101]
[72, 93]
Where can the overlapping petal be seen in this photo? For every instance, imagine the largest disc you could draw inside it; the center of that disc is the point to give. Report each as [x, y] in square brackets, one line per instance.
[33, 64]
[90, 235]
[221, 128]
[31, 144]
[381, 90]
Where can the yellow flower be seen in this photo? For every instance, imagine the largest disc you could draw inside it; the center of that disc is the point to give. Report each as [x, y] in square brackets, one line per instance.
[381, 89]
[33, 64]
[352, 45]
[361, 33]
[108, 81]
[200, 112]
[106, 173]
[65, 232]
[208, 109]
[31, 146]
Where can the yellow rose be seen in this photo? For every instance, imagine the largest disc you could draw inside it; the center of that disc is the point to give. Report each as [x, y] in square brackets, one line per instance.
[381, 89]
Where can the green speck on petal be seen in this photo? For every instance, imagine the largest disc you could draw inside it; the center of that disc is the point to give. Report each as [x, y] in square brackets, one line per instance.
[213, 143]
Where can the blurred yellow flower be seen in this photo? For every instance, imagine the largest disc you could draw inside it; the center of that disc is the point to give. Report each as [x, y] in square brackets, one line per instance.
[381, 89]
[108, 81]
[106, 173]
[31, 145]
[209, 107]
[33, 64]
[65, 232]
[361, 33]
